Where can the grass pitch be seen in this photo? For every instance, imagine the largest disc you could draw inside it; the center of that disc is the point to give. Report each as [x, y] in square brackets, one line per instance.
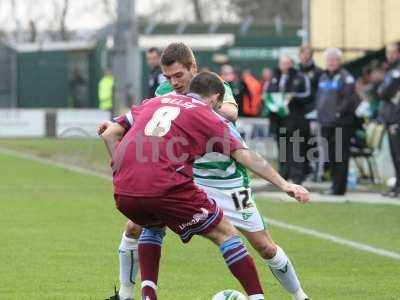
[60, 234]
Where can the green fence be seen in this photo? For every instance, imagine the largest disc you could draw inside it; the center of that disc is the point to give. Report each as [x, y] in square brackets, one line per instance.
[69, 76]
[58, 78]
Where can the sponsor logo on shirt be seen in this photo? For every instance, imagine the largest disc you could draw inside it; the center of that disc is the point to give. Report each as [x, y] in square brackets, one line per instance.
[196, 219]
[246, 216]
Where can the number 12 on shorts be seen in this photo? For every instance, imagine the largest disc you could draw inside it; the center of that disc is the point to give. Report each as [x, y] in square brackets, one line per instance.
[241, 199]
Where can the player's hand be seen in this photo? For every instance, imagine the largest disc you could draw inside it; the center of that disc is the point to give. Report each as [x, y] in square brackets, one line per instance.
[297, 192]
[103, 127]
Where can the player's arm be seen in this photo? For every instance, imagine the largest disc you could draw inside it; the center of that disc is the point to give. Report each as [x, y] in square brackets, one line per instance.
[254, 162]
[102, 127]
[229, 108]
[229, 111]
[113, 132]
[112, 136]
[233, 145]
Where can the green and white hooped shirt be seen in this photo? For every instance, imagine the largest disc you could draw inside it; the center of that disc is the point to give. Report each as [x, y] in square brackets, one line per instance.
[215, 169]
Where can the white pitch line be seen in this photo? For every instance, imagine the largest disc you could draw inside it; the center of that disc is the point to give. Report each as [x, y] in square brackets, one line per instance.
[335, 239]
[352, 197]
[299, 229]
[49, 162]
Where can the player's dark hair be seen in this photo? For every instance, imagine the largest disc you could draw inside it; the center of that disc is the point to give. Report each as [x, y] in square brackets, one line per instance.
[207, 84]
[154, 49]
[178, 52]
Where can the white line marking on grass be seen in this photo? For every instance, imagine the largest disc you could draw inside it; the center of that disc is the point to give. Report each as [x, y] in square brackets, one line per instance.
[299, 229]
[53, 187]
[49, 162]
[335, 239]
[351, 197]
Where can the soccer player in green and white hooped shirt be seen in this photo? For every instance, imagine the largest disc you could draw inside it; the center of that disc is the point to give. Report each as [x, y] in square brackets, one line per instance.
[222, 178]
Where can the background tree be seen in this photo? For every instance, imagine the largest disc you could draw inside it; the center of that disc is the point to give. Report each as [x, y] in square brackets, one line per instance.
[198, 11]
[63, 16]
[229, 11]
[110, 8]
[265, 11]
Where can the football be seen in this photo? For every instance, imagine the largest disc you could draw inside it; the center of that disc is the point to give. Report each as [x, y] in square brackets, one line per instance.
[229, 295]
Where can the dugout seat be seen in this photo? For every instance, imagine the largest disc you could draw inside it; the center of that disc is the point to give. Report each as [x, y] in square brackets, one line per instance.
[373, 143]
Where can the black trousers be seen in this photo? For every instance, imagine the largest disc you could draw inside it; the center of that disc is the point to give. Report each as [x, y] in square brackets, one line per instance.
[292, 138]
[338, 147]
[394, 142]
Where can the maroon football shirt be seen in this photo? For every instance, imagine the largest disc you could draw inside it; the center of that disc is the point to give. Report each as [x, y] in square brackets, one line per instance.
[156, 155]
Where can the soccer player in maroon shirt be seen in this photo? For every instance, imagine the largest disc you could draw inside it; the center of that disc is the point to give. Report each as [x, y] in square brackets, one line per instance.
[153, 177]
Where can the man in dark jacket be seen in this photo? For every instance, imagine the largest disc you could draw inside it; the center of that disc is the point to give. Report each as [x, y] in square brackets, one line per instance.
[389, 91]
[239, 89]
[309, 69]
[290, 130]
[156, 77]
[336, 103]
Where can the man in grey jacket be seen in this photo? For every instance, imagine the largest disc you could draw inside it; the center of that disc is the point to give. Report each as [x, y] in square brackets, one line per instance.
[336, 103]
[389, 91]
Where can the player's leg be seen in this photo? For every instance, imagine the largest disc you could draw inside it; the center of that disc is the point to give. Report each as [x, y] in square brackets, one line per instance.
[189, 212]
[150, 243]
[237, 258]
[240, 209]
[128, 259]
[278, 262]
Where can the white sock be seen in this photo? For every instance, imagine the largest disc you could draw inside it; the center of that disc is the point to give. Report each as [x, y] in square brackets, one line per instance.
[283, 270]
[256, 297]
[150, 284]
[128, 266]
[299, 295]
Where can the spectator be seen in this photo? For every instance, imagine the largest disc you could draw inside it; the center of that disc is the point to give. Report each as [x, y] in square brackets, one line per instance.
[251, 101]
[266, 75]
[363, 112]
[106, 91]
[313, 73]
[153, 56]
[246, 90]
[78, 88]
[376, 79]
[228, 74]
[367, 88]
[389, 91]
[309, 69]
[205, 68]
[336, 103]
[292, 127]
[238, 87]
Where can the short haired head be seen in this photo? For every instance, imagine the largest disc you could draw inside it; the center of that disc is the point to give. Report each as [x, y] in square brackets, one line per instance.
[154, 50]
[305, 54]
[333, 52]
[153, 57]
[392, 53]
[178, 66]
[228, 73]
[178, 53]
[285, 63]
[305, 48]
[209, 86]
[333, 57]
